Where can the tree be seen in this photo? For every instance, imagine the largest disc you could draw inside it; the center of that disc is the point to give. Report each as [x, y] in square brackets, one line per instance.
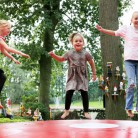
[38, 19]
[35, 24]
[40, 25]
[111, 52]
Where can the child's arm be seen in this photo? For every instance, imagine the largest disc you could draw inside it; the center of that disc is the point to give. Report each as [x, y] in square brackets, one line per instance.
[56, 57]
[12, 50]
[91, 62]
[105, 31]
[4, 52]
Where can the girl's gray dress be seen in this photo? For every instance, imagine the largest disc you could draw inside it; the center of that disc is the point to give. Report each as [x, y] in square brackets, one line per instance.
[77, 69]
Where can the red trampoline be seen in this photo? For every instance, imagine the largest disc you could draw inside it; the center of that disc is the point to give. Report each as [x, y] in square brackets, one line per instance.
[70, 129]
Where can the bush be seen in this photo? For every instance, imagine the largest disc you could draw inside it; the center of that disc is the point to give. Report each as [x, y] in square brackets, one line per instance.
[44, 112]
[30, 98]
[31, 102]
[135, 118]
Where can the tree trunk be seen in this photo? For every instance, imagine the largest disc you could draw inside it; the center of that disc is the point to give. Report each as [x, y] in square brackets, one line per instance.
[45, 77]
[111, 52]
[45, 60]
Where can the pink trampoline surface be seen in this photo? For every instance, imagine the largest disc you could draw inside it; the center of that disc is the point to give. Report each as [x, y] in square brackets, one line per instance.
[70, 129]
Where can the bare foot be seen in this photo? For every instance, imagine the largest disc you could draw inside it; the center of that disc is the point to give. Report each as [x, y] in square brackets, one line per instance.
[129, 113]
[87, 115]
[66, 113]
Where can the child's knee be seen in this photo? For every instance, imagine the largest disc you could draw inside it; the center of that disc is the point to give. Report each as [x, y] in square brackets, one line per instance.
[132, 83]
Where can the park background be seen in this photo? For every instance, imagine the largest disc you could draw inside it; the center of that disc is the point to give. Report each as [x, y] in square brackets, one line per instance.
[39, 27]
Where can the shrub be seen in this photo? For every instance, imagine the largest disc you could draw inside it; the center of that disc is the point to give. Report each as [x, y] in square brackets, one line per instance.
[44, 112]
[31, 102]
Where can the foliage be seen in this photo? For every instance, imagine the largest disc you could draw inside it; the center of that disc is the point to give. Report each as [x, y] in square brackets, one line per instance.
[123, 5]
[44, 111]
[94, 92]
[32, 103]
[101, 114]
[19, 84]
[81, 16]
[30, 98]
[135, 117]
[57, 80]
[32, 18]
[3, 98]
[33, 26]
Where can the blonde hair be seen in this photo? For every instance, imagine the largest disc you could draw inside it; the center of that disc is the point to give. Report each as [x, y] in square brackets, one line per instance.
[4, 23]
[135, 12]
[71, 36]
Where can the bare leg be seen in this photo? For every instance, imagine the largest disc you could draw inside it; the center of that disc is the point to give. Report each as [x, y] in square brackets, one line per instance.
[65, 114]
[129, 113]
[87, 115]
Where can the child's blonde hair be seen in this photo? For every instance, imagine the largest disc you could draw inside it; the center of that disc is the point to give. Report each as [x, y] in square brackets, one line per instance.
[4, 23]
[135, 12]
[71, 36]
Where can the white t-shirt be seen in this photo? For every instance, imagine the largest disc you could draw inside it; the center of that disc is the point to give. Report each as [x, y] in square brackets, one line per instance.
[130, 36]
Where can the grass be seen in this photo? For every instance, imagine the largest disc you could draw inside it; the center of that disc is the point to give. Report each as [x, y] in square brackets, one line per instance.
[15, 119]
[92, 104]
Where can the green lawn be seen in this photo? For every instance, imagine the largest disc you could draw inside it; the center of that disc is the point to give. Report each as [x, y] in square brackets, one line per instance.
[95, 104]
[75, 104]
[92, 104]
[15, 119]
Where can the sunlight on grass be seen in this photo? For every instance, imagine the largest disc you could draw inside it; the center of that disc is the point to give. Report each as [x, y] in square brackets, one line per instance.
[92, 104]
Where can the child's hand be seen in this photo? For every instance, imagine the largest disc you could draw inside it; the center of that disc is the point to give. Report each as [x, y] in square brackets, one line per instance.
[51, 53]
[94, 77]
[98, 27]
[16, 61]
[25, 55]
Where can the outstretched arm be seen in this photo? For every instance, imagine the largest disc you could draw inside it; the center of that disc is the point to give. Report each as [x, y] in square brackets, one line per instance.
[4, 46]
[5, 53]
[105, 31]
[56, 57]
[91, 62]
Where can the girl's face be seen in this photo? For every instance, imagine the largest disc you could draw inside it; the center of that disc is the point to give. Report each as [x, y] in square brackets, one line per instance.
[77, 42]
[134, 20]
[5, 30]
